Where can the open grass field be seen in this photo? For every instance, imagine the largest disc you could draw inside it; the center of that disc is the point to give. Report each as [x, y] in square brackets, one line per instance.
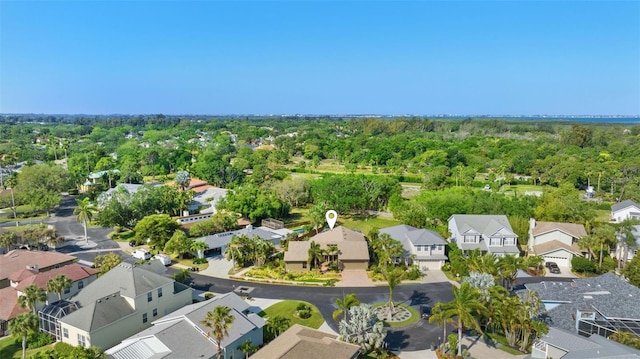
[287, 309]
[364, 225]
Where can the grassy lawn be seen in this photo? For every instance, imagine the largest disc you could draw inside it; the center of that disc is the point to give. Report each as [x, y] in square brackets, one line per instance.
[415, 316]
[189, 263]
[504, 345]
[287, 309]
[10, 350]
[124, 236]
[364, 225]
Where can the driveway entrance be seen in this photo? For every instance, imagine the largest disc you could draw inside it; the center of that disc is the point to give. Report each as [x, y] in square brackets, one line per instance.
[354, 278]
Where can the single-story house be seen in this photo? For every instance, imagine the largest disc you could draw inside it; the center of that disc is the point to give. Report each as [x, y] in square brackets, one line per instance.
[353, 252]
[303, 342]
[37, 261]
[218, 242]
[181, 334]
[562, 344]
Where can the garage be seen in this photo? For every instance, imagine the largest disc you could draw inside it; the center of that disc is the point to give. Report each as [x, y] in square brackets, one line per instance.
[562, 258]
[429, 265]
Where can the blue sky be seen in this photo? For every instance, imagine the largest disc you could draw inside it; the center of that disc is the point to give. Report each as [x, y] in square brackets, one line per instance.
[312, 57]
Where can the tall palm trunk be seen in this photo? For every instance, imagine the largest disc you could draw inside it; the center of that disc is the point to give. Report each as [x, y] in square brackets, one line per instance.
[460, 338]
[84, 224]
[24, 346]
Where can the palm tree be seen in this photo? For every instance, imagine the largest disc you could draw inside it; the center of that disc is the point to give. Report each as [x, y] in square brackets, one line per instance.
[508, 268]
[23, 325]
[604, 235]
[393, 276]
[182, 179]
[199, 247]
[332, 252]
[315, 254]
[31, 296]
[59, 284]
[464, 307]
[234, 251]
[8, 239]
[344, 304]
[278, 324]
[84, 213]
[219, 320]
[627, 238]
[247, 347]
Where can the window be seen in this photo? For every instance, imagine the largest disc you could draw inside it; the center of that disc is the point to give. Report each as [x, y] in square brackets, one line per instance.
[509, 241]
[81, 341]
[144, 317]
[67, 290]
[495, 241]
[159, 292]
[419, 248]
[80, 284]
[469, 239]
[65, 332]
[149, 296]
[439, 247]
[155, 312]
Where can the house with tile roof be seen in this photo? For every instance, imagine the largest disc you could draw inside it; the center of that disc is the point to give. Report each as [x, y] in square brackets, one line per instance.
[625, 210]
[181, 334]
[303, 342]
[40, 261]
[562, 344]
[353, 252]
[598, 305]
[423, 247]
[488, 233]
[118, 304]
[10, 308]
[555, 241]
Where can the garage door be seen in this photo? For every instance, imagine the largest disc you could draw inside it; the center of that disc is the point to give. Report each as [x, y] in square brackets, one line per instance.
[429, 265]
[562, 261]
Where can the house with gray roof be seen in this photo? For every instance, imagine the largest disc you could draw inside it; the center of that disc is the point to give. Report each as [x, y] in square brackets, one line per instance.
[488, 233]
[599, 305]
[121, 302]
[218, 242]
[181, 333]
[625, 210]
[424, 247]
[562, 344]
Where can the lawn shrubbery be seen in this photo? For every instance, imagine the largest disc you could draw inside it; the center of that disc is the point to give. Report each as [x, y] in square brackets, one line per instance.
[583, 265]
[36, 340]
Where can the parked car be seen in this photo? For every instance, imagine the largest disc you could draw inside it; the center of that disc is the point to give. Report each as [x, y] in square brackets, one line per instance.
[163, 258]
[141, 253]
[553, 267]
[133, 243]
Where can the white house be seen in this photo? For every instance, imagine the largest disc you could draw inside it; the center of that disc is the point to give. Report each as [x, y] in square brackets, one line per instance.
[486, 232]
[181, 333]
[427, 248]
[120, 303]
[624, 210]
[555, 242]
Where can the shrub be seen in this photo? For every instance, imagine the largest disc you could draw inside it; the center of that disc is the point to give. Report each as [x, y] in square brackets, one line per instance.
[302, 306]
[331, 282]
[304, 313]
[199, 260]
[63, 349]
[582, 265]
[36, 340]
[414, 273]
[208, 295]
[608, 264]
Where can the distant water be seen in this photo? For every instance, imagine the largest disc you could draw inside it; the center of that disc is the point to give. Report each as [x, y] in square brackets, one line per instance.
[611, 120]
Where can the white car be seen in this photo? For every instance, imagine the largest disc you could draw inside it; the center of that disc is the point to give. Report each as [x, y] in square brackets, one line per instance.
[164, 259]
[141, 253]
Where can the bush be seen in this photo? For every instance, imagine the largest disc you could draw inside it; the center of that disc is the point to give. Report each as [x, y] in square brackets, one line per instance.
[199, 260]
[63, 349]
[208, 295]
[302, 306]
[36, 340]
[414, 273]
[582, 265]
[304, 313]
[608, 264]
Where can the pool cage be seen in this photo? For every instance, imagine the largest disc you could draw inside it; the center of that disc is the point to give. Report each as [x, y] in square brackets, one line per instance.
[50, 314]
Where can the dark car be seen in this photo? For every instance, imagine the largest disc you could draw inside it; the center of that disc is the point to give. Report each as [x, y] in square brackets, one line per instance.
[133, 243]
[553, 267]
[425, 311]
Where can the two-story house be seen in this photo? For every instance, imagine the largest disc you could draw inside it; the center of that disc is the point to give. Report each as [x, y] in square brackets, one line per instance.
[555, 241]
[120, 303]
[487, 232]
[425, 248]
[181, 333]
[625, 210]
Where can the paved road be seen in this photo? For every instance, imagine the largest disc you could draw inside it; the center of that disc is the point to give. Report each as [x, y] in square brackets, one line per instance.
[414, 337]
